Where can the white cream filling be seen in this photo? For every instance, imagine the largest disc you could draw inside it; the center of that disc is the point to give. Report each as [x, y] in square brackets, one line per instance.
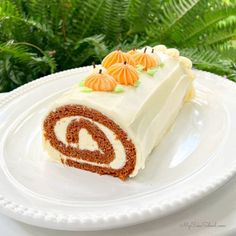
[85, 139]
[55, 155]
[86, 142]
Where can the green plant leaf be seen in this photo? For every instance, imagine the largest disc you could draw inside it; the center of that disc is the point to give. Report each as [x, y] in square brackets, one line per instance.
[41, 37]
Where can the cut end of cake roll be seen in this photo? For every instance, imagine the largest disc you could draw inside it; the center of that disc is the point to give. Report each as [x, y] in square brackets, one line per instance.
[84, 138]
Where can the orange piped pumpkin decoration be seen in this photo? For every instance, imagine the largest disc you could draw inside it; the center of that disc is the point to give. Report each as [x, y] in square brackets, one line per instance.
[100, 82]
[132, 52]
[117, 56]
[123, 73]
[146, 60]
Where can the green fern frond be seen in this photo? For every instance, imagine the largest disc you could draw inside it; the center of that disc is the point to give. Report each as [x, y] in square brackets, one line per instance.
[230, 53]
[218, 35]
[96, 42]
[114, 14]
[141, 14]
[210, 60]
[8, 8]
[21, 51]
[126, 45]
[201, 55]
[175, 16]
[13, 58]
[14, 26]
[16, 51]
[45, 12]
[30, 25]
[175, 12]
[186, 20]
[208, 20]
[92, 19]
[37, 35]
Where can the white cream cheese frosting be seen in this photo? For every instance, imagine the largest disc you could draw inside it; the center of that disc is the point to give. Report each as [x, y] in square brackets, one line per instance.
[145, 112]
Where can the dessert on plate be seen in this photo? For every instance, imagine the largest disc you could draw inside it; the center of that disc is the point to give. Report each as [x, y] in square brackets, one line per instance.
[114, 117]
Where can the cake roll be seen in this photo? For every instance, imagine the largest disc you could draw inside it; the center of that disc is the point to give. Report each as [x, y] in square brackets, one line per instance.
[110, 121]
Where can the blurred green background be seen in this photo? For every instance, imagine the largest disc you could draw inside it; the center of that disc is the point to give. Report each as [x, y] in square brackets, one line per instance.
[39, 37]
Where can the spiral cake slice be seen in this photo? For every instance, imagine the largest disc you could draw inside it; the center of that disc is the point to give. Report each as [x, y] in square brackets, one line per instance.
[110, 127]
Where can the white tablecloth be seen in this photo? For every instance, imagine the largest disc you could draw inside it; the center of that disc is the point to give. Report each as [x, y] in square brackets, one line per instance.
[213, 215]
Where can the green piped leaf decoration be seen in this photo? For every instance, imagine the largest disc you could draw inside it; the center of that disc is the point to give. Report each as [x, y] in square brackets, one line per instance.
[139, 68]
[119, 89]
[162, 65]
[152, 71]
[86, 90]
[137, 83]
[81, 83]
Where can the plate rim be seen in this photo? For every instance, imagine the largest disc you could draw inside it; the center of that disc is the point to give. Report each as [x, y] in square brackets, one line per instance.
[63, 221]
